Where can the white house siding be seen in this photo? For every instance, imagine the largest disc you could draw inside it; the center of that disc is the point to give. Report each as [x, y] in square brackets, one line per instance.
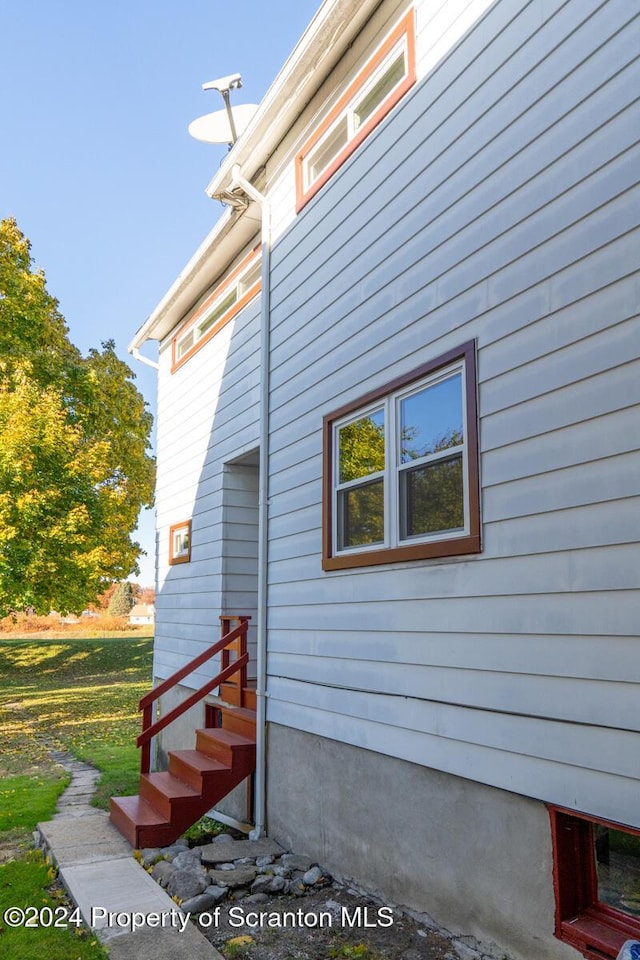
[499, 201]
[439, 25]
[208, 412]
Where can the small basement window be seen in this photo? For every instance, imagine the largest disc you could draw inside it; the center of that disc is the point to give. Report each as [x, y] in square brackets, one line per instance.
[180, 542]
[226, 300]
[381, 83]
[597, 883]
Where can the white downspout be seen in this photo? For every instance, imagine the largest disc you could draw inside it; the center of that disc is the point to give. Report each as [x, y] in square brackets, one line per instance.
[263, 502]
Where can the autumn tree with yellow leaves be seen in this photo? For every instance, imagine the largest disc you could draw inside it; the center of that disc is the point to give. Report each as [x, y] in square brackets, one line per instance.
[75, 466]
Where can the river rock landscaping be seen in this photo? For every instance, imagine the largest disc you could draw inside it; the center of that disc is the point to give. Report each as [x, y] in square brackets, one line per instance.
[255, 901]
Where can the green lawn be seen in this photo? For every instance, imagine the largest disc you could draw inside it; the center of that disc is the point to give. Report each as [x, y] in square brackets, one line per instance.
[76, 694]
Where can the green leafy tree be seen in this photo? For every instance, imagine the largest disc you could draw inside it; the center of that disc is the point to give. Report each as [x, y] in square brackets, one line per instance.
[75, 468]
[122, 600]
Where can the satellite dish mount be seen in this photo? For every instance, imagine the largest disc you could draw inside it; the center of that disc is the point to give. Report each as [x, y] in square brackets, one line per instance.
[223, 86]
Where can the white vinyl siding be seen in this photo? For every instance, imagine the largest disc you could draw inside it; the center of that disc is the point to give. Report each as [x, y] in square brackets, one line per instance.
[208, 414]
[499, 202]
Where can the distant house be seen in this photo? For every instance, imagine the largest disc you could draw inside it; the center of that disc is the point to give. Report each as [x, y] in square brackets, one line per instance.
[399, 421]
[142, 613]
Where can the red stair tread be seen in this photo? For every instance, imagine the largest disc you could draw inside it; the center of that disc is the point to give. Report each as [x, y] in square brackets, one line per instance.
[169, 785]
[139, 811]
[200, 761]
[229, 737]
[245, 712]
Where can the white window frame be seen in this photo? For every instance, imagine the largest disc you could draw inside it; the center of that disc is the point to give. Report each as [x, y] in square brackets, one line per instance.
[393, 521]
[400, 40]
[349, 112]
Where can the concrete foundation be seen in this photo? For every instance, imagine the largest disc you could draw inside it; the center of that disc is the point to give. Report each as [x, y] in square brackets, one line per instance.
[476, 859]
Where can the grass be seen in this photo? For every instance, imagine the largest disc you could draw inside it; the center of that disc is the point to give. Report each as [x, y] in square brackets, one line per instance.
[76, 694]
[26, 800]
[27, 883]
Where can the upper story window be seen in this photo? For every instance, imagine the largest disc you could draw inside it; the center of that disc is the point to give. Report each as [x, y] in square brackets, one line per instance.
[383, 80]
[220, 306]
[401, 469]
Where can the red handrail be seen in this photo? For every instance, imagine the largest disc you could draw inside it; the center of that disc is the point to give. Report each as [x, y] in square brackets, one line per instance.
[149, 729]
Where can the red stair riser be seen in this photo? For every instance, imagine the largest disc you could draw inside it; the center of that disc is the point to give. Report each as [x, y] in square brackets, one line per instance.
[197, 779]
[237, 722]
[157, 836]
[218, 744]
[153, 793]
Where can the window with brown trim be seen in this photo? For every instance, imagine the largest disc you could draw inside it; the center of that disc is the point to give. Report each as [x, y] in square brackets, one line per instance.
[596, 868]
[381, 83]
[222, 304]
[180, 542]
[401, 468]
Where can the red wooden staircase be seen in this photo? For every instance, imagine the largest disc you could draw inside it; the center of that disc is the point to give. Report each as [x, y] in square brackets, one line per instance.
[169, 802]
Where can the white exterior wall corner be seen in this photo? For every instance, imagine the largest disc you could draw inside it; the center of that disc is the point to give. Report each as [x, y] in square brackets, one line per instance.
[499, 202]
[208, 413]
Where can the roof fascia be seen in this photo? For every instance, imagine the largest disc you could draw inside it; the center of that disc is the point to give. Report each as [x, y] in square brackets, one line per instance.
[230, 234]
[332, 30]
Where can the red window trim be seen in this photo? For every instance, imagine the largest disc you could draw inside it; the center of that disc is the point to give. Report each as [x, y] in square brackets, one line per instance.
[594, 928]
[185, 558]
[454, 546]
[218, 291]
[405, 27]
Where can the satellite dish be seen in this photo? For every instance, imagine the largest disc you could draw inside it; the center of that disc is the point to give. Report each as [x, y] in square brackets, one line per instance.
[216, 128]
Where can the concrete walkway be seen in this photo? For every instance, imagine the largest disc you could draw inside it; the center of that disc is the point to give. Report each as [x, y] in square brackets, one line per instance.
[129, 912]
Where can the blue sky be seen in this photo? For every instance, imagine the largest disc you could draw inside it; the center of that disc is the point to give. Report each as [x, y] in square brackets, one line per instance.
[95, 160]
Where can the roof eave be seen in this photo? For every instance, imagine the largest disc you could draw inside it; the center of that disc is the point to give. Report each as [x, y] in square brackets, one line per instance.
[332, 30]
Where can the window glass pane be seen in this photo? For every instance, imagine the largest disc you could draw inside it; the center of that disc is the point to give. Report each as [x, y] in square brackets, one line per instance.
[181, 542]
[432, 498]
[185, 344]
[327, 150]
[361, 515]
[361, 447]
[389, 79]
[251, 276]
[618, 866]
[431, 420]
[217, 312]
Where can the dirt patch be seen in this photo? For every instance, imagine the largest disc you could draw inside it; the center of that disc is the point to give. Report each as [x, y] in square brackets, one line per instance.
[329, 923]
[9, 850]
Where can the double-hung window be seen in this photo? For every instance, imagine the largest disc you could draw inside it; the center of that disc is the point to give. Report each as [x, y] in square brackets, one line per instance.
[379, 85]
[401, 469]
[226, 300]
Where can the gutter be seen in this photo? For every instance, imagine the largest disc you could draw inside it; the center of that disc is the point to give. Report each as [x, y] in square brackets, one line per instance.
[135, 352]
[238, 180]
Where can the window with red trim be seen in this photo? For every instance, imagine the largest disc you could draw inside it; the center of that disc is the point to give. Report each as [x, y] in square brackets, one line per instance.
[222, 304]
[379, 85]
[401, 468]
[596, 882]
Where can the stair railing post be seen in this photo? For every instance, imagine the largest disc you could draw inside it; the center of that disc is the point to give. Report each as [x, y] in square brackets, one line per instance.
[145, 754]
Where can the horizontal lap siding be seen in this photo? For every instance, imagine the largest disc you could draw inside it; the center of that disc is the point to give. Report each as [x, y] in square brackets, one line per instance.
[499, 201]
[214, 394]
